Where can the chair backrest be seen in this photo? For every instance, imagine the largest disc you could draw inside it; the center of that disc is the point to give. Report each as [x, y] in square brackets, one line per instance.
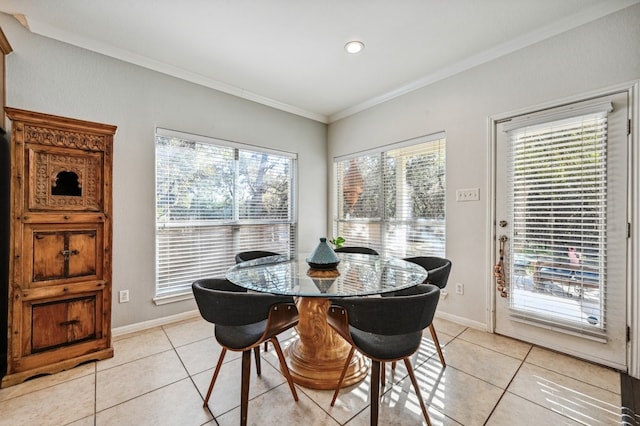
[355, 249]
[393, 315]
[220, 303]
[253, 254]
[438, 268]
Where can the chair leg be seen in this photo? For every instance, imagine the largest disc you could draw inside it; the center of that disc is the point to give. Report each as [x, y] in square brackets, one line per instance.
[434, 336]
[215, 376]
[375, 391]
[383, 375]
[414, 382]
[344, 373]
[284, 367]
[244, 389]
[256, 352]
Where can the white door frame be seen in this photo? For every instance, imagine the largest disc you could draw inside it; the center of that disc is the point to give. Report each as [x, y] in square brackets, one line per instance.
[633, 281]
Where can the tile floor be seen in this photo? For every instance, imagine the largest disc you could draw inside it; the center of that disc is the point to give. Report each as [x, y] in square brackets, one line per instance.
[159, 377]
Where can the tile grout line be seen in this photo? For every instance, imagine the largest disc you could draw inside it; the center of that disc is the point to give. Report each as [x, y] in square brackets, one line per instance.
[504, 391]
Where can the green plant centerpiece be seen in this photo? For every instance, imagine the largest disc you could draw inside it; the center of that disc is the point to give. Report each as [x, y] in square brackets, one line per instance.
[337, 242]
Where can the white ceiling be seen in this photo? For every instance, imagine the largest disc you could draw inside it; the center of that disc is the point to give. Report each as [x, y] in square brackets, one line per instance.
[289, 53]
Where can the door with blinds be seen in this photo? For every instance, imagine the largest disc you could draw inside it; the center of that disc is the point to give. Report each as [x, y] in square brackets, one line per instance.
[561, 228]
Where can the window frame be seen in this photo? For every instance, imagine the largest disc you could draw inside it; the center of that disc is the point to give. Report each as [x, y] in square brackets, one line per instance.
[238, 234]
[385, 240]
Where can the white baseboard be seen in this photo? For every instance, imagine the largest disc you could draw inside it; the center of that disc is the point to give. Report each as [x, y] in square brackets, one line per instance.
[462, 321]
[145, 325]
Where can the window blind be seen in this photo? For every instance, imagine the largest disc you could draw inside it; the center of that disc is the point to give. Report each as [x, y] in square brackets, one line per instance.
[558, 187]
[213, 200]
[393, 200]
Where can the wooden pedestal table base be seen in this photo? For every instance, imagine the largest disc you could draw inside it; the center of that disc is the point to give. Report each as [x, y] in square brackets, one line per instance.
[317, 358]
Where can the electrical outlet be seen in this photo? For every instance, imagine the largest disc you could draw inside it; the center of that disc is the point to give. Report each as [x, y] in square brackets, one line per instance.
[124, 296]
[469, 194]
[459, 288]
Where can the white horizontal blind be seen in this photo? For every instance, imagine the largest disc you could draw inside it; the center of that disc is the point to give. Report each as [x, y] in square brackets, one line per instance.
[558, 182]
[393, 200]
[214, 200]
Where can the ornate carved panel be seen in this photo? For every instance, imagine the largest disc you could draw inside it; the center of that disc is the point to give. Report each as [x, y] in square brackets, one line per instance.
[65, 180]
[55, 137]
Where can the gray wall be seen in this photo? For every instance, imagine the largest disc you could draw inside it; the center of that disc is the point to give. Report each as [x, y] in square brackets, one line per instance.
[47, 76]
[597, 55]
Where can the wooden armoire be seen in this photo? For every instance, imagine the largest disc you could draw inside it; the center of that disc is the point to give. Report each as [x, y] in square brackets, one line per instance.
[60, 244]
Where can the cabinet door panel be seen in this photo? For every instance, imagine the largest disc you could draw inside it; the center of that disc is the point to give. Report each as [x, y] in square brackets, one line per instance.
[55, 254]
[48, 260]
[48, 330]
[82, 253]
[62, 322]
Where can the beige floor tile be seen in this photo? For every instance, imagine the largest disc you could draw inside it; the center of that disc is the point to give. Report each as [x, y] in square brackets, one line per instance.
[485, 364]
[175, 404]
[399, 408]
[428, 348]
[458, 395]
[127, 381]
[567, 396]
[226, 392]
[147, 383]
[513, 409]
[44, 382]
[505, 345]
[351, 400]
[136, 346]
[56, 405]
[448, 327]
[87, 421]
[188, 331]
[203, 355]
[596, 375]
[276, 408]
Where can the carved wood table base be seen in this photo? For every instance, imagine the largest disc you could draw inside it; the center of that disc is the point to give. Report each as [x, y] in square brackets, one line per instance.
[317, 358]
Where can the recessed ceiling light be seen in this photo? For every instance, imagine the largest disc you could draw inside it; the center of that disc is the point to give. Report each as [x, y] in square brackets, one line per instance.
[354, 46]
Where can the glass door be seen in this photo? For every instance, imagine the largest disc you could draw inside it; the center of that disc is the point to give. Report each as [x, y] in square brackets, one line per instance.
[561, 228]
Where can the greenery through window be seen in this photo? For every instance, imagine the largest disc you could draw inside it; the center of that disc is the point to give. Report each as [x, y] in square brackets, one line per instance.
[214, 199]
[393, 200]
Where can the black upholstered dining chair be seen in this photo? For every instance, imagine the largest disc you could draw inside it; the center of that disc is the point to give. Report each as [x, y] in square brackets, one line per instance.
[356, 249]
[243, 256]
[254, 254]
[242, 322]
[384, 329]
[438, 270]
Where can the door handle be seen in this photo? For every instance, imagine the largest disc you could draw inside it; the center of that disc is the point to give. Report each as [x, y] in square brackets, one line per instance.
[498, 270]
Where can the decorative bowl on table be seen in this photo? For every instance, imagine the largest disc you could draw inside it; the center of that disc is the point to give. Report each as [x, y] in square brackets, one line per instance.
[323, 257]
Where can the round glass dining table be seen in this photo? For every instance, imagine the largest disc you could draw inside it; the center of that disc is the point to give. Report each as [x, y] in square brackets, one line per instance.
[317, 357]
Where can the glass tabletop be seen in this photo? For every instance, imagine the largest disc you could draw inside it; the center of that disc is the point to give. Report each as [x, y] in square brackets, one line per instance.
[356, 275]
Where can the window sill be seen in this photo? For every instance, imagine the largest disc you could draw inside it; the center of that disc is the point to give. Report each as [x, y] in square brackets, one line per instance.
[172, 298]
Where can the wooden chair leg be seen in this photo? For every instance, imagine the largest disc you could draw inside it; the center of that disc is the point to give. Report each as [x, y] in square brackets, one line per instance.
[344, 373]
[414, 382]
[215, 376]
[244, 389]
[375, 391]
[256, 353]
[284, 367]
[383, 375]
[434, 336]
